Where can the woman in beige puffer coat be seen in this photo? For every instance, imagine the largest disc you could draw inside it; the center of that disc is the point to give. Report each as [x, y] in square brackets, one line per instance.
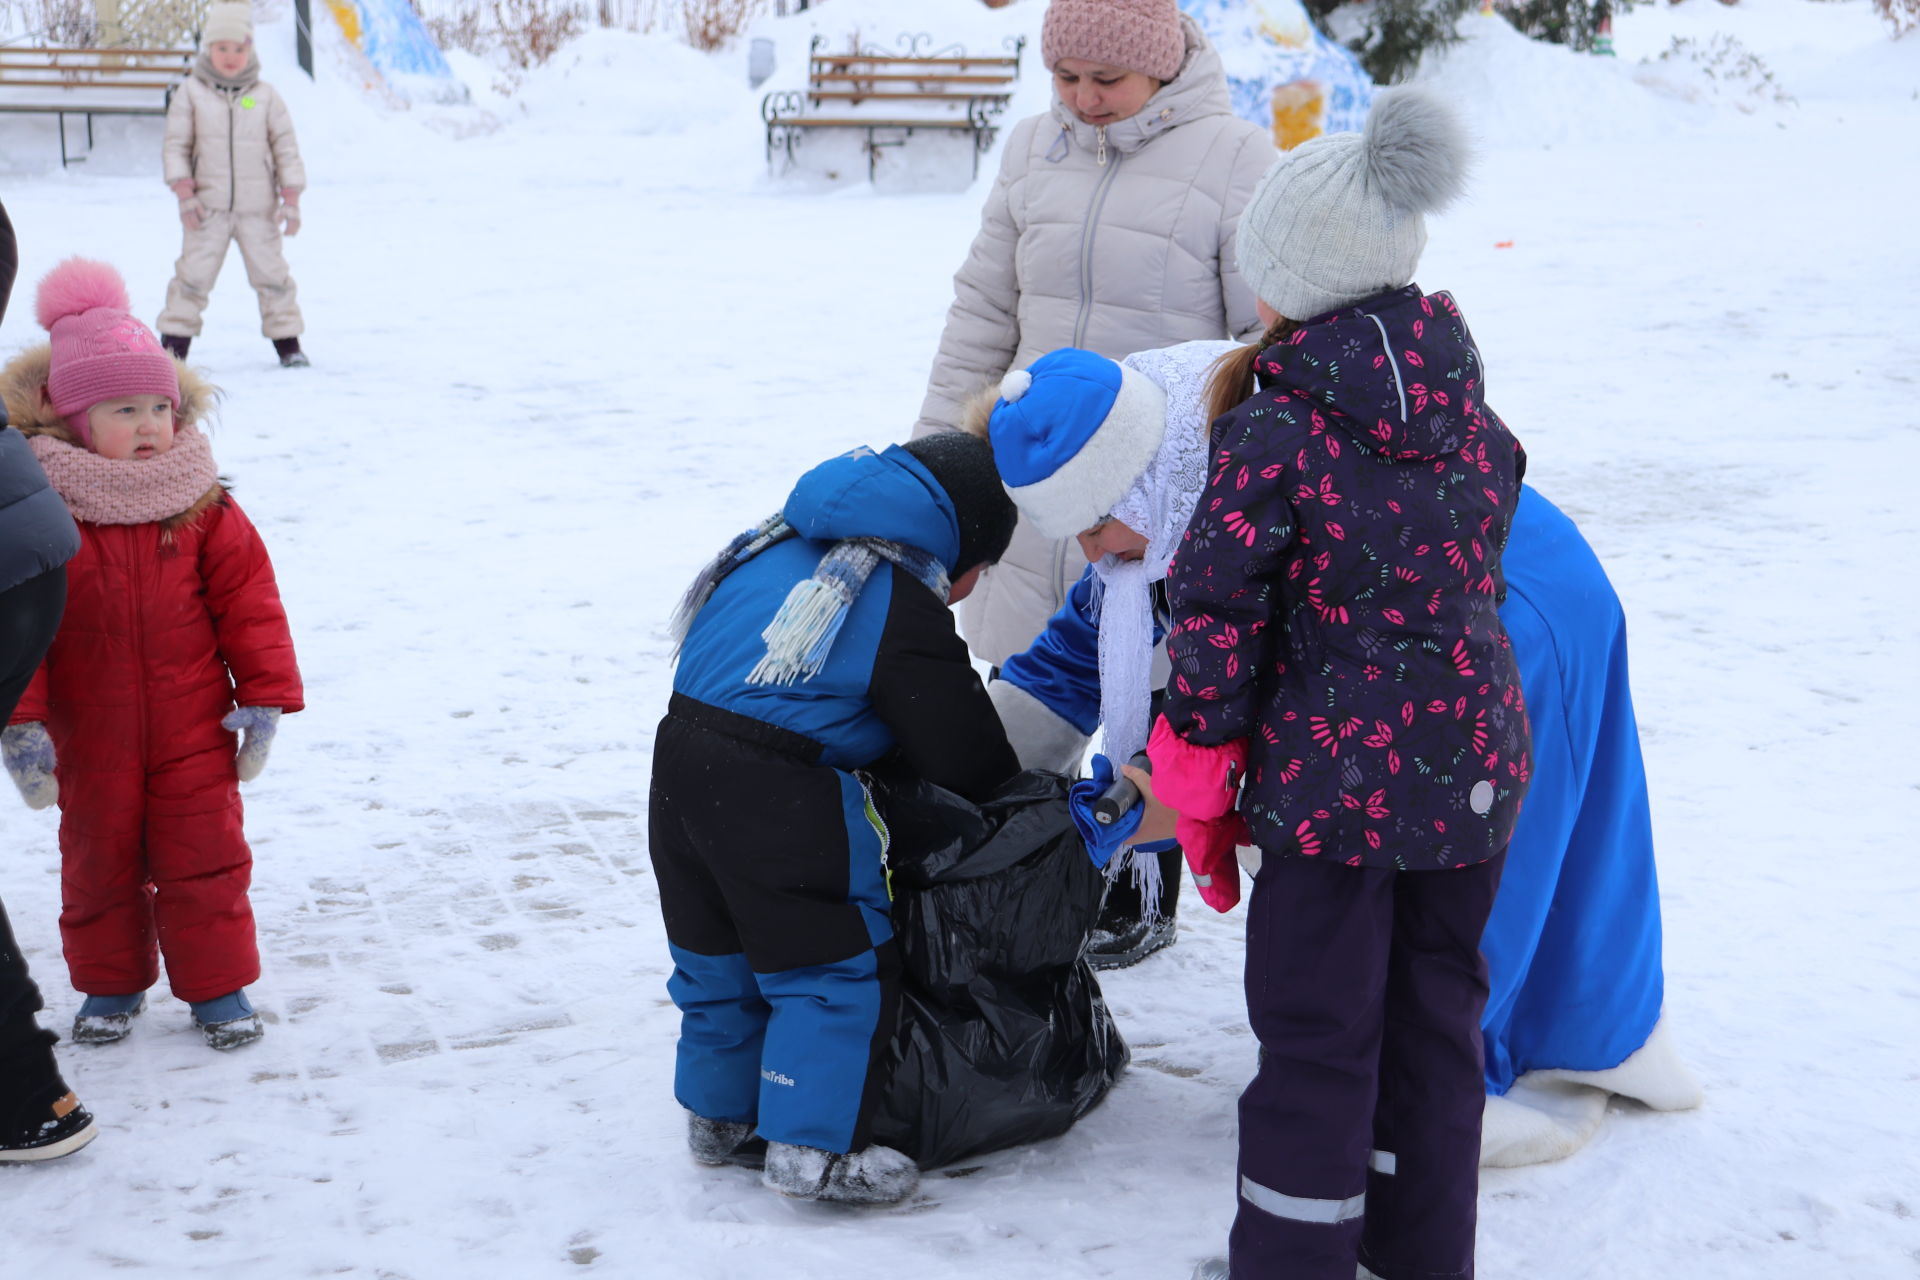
[231, 158]
[1116, 238]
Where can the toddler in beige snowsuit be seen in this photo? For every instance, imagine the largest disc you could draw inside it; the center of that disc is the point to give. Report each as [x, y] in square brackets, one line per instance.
[232, 160]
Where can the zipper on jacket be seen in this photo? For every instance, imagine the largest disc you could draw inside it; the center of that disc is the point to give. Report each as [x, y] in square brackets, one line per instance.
[233, 166]
[1100, 152]
[1086, 246]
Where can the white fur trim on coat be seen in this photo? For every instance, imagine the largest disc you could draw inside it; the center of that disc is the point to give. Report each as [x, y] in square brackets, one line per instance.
[1082, 490]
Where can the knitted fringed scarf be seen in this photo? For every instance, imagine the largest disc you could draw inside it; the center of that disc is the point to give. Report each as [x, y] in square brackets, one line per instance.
[802, 633]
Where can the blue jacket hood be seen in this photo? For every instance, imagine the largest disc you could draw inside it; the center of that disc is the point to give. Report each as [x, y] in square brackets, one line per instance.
[863, 494]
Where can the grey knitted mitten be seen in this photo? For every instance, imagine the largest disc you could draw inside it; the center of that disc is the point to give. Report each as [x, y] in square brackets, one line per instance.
[257, 725]
[28, 753]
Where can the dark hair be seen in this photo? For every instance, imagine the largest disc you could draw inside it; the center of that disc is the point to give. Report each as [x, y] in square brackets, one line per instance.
[1231, 380]
[963, 464]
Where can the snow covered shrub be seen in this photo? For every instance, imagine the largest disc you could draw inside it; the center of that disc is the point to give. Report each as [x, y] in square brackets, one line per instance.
[1902, 15]
[711, 23]
[1719, 68]
[532, 31]
[70, 24]
[1390, 35]
[462, 28]
[525, 33]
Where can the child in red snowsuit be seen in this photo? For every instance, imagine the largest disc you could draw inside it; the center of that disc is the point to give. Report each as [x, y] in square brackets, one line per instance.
[174, 640]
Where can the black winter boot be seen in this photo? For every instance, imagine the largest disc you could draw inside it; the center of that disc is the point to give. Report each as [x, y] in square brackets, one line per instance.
[47, 1131]
[291, 356]
[1122, 936]
[176, 344]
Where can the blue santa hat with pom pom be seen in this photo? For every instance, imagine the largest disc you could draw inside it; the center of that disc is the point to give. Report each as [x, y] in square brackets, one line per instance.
[1070, 434]
[1340, 218]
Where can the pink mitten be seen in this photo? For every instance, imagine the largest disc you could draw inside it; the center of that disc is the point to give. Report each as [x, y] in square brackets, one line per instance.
[1201, 783]
[1211, 853]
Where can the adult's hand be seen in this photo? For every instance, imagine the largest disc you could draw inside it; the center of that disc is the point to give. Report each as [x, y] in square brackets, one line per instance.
[1157, 822]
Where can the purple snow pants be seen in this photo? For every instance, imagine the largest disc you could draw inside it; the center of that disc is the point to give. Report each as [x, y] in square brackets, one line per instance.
[1360, 1135]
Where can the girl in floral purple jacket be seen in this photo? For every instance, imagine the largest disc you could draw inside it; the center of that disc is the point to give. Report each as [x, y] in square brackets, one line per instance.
[1337, 647]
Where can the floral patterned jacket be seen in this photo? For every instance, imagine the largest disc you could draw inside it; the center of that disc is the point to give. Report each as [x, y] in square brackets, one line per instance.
[1335, 599]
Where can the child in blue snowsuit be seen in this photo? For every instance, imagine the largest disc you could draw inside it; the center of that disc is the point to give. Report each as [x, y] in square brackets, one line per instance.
[815, 645]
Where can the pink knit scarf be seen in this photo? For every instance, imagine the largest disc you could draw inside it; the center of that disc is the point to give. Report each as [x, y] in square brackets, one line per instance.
[108, 491]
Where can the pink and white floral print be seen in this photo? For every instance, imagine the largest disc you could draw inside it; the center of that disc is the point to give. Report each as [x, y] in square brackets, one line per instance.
[1335, 598]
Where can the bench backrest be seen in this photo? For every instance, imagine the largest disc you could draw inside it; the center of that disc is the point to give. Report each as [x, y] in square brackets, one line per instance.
[139, 69]
[951, 74]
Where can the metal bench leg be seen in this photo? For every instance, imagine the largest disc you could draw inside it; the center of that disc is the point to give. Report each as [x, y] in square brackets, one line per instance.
[61, 118]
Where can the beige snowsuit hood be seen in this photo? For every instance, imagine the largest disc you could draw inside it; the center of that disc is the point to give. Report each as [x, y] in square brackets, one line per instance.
[1115, 240]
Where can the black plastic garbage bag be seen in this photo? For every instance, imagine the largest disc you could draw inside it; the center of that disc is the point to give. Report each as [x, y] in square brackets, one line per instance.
[1003, 1037]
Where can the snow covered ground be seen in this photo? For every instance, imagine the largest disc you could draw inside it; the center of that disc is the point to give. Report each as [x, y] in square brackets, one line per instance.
[563, 350]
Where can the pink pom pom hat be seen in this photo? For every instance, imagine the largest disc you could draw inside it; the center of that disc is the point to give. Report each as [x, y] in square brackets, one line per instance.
[100, 351]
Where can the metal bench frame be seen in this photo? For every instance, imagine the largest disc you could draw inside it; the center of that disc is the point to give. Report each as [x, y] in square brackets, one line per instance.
[831, 78]
[87, 70]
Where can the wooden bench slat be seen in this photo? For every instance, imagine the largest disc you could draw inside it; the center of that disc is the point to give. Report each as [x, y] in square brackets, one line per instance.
[8, 83]
[847, 59]
[81, 109]
[889, 78]
[877, 122]
[854, 95]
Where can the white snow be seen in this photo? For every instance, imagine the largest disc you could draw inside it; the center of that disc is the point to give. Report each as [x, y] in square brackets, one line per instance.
[566, 344]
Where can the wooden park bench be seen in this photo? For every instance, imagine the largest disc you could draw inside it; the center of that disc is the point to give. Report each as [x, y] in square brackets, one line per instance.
[890, 96]
[89, 82]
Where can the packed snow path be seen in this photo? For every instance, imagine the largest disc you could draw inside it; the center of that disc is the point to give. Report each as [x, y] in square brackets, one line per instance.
[555, 367]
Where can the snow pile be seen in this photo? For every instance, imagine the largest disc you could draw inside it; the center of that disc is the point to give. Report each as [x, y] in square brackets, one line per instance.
[610, 80]
[1522, 92]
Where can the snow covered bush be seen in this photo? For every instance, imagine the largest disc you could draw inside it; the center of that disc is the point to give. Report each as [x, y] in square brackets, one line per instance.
[711, 23]
[1719, 68]
[532, 31]
[1902, 15]
[62, 23]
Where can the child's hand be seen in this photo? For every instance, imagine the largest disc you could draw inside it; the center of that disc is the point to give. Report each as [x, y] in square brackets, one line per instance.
[193, 213]
[182, 189]
[258, 725]
[289, 210]
[28, 753]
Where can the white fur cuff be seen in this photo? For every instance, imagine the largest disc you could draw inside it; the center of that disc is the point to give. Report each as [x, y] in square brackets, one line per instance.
[1041, 738]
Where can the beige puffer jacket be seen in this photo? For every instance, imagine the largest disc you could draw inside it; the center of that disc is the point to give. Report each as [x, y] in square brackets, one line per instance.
[237, 146]
[1115, 240]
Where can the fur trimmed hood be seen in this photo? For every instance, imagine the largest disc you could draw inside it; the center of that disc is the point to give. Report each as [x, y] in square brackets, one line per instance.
[25, 377]
[22, 389]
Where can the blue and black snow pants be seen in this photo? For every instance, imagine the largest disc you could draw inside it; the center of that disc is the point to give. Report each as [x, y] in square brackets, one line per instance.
[1360, 1135]
[773, 886]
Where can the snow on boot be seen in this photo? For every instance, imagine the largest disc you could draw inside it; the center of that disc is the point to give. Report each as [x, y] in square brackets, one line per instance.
[875, 1175]
[719, 1142]
[106, 1019]
[62, 1129]
[229, 1021]
[1132, 942]
[1211, 1269]
[291, 356]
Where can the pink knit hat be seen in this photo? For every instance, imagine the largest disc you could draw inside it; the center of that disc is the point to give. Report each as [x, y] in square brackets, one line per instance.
[1138, 35]
[100, 352]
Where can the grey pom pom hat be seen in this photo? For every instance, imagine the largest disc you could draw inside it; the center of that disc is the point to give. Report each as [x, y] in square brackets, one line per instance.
[1340, 218]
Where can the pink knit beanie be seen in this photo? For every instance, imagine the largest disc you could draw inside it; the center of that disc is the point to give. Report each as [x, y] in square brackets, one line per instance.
[100, 352]
[1137, 35]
